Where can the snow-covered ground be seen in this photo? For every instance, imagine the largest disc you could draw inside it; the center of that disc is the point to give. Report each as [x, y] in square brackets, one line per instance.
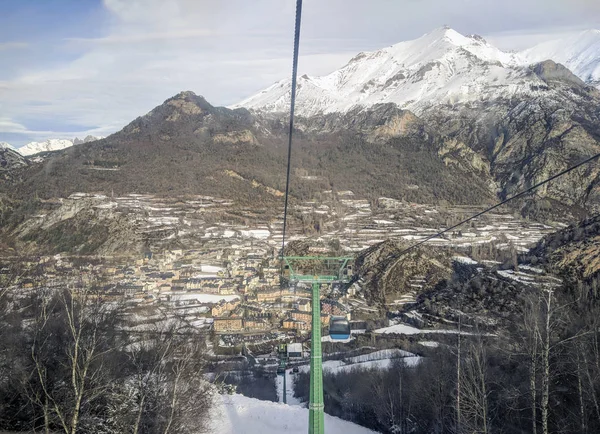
[185, 219]
[374, 364]
[289, 388]
[405, 329]
[382, 359]
[237, 414]
[380, 355]
[464, 260]
[430, 344]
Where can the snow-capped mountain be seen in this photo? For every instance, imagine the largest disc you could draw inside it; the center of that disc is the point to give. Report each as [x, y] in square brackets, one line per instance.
[579, 52]
[442, 66]
[10, 158]
[50, 145]
[45, 146]
[4, 145]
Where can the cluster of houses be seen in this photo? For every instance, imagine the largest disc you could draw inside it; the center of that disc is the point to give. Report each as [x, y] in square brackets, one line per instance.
[236, 293]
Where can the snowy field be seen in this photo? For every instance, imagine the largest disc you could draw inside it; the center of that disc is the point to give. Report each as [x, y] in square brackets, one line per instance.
[289, 388]
[237, 414]
[185, 219]
[405, 329]
[373, 364]
[382, 359]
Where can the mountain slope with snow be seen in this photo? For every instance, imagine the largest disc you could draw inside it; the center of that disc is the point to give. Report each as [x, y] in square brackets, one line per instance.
[579, 52]
[10, 159]
[442, 66]
[4, 145]
[50, 145]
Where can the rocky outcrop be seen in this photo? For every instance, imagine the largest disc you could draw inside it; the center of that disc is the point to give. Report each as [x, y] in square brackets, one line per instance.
[10, 160]
[384, 273]
[80, 226]
[233, 137]
[528, 140]
[552, 72]
[573, 252]
[397, 125]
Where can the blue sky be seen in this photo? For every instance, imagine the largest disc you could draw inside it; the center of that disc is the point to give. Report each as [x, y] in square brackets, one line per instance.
[72, 68]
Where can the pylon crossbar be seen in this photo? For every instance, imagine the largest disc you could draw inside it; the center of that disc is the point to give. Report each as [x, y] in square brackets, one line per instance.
[331, 268]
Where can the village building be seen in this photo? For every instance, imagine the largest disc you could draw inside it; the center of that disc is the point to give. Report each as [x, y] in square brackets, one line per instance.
[268, 295]
[222, 307]
[228, 324]
[256, 324]
[292, 324]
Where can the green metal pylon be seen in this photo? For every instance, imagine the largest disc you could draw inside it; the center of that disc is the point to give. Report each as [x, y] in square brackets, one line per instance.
[326, 269]
[316, 414]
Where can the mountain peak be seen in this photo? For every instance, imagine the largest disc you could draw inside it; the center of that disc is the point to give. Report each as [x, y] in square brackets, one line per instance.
[49, 145]
[549, 71]
[445, 32]
[580, 52]
[4, 145]
[185, 94]
[440, 66]
[189, 103]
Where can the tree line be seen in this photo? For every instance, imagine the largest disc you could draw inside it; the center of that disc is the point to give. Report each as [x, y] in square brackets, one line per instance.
[67, 365]
[538, 374]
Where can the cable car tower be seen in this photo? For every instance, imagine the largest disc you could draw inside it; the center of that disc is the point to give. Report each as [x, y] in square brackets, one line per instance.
[316, 270]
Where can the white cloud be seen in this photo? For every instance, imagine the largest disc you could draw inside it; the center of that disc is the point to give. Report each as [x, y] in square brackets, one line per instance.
[226, 51]
[145, 37]
[9, 126]
[12, 45]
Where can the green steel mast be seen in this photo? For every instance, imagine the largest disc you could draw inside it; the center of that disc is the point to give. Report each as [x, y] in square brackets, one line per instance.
[335, 267]
[316, 407]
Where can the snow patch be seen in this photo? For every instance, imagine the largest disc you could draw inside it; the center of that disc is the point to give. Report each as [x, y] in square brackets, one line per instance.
[237, 414]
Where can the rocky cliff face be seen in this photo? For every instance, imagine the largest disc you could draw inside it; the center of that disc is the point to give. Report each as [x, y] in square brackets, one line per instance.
[80, 226]
[573, 252]
[529, 140]
[10, 161]
[384, 275]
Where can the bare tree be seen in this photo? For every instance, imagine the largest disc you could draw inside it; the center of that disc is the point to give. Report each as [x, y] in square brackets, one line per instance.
[71, 335]
[458, 375]
[167, 379]
[474, 389]
[530, 343]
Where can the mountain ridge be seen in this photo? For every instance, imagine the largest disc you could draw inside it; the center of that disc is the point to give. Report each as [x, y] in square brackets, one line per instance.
[471, 152]
[201, 143]
[579, 52]
[51, 145]
[440, 67]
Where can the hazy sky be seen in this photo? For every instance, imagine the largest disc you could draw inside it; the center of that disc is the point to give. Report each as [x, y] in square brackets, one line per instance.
[77, 67]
